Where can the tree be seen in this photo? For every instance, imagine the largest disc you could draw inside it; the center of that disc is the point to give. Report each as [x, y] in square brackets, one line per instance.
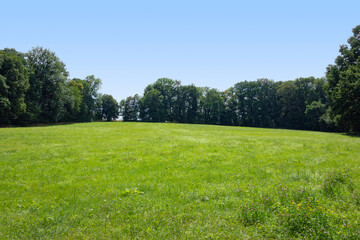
[108, 108]
[343, 86]
[187, 103]
[130, 108]
[298, 101]
[169, 90]
[91, 86]
[211, 106]
[73, 100]
[152, 107]
[256, 102]
[14, 82]
[292, 106]
[244, 101]
[48, 77]
[230, 113]
[317, 105]
[314, 112]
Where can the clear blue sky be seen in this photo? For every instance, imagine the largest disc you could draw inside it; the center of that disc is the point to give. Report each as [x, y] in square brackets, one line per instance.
[130, 44]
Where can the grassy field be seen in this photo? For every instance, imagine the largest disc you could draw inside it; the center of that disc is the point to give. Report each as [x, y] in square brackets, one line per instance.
[174, 181]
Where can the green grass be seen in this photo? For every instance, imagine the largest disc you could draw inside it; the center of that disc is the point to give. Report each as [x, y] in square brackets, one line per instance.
[174, 181]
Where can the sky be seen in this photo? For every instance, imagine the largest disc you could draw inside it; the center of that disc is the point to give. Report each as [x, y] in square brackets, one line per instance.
[130, 44]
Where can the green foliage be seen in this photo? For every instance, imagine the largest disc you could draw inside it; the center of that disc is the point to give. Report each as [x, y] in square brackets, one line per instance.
[107, 108]
[73, 102]
[187, 104]
[301, 103]
[230, 116]
[344, 84]
[211, 106]
[46, 96]
[34, 89]
[314, 113]
[14, 82]
[130, 109]
[90, 92]
[168, 90]
[152, 106]
[52, 97]
[256, 103]
[298, 104]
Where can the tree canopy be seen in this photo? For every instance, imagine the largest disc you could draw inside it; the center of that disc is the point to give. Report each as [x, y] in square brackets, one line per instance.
[297, 104]
[344, 84]
[14, 83]
[35, 88]
[107, 108]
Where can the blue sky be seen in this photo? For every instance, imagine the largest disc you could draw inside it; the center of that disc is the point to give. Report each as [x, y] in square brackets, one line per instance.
[130, 44]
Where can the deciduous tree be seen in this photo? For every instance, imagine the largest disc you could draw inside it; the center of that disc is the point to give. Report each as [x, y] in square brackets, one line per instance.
[14, 82]
[107, 108]
[45, 98]
[152, 107]
[344, 84]
[130, 108]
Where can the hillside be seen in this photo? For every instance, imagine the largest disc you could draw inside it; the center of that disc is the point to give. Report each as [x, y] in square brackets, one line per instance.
[177, 181]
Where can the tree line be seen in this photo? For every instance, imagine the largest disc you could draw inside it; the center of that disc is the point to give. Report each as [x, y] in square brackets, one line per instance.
[331, 103]
[35, 88]
[298, 104]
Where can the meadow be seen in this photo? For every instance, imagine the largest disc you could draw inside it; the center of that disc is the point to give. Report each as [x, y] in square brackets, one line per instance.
[175, 181]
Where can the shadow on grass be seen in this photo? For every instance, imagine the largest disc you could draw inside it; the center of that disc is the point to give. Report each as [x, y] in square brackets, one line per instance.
[355, 135]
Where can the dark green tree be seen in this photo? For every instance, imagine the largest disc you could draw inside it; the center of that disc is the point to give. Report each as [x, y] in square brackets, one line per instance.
[344, 84]
[268, 109]
[244, 102]
[90, 92]
[317, 104]
[297, 101]
[130, 108]
[107, 108]
[14, 82]
[256, 102]
[229, 115]
[314, 116]
[292, 113]
[211, 106]
[169, 90]
[73, 100]
[46, 96]
[152, 107]
[187, 103]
